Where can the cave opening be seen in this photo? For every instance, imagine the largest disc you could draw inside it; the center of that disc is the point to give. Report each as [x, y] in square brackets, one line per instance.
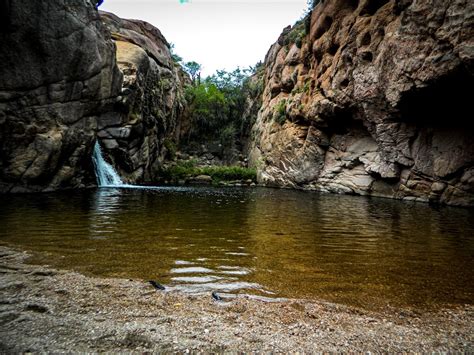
[372, 6]
[343, 121]
[443, 103]
[5, 16]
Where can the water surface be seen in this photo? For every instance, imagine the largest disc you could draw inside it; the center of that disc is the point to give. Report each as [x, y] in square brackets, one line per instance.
[274, 243]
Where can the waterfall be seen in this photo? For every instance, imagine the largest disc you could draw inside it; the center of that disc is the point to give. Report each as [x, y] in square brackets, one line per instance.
[105, 173]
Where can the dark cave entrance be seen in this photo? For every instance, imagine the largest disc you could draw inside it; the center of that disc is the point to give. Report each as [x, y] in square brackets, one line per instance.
[445, 103]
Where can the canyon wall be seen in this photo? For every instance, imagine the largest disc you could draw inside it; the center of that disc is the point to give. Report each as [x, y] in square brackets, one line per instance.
[366, 97]
[372, 97]
[147, 123]
[70, 76]
[57, 79]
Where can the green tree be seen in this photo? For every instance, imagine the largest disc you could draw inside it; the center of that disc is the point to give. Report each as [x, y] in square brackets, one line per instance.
[194, 70]
[219, 110]
[208, 109]
[312, 4]
[176, 58]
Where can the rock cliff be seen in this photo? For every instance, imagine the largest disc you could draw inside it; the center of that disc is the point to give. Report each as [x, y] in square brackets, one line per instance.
[71, 76]
[147, 123]
[372, 97]
[57, 79]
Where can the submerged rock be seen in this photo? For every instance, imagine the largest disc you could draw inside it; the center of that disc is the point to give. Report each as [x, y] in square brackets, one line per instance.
[372, 98]
[58, 77]
[216, 297]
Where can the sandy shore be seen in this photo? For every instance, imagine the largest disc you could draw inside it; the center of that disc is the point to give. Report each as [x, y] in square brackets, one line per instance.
[42, 309]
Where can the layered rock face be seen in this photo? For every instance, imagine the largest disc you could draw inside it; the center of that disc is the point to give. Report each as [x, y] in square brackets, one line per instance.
[373, 100]
[57, 79]
[136, 137]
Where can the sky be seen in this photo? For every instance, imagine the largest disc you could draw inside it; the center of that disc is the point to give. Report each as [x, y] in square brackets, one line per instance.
[218, 34]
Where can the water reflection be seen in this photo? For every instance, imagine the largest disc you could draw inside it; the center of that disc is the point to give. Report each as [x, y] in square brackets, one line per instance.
[104, 214]
[365, 252]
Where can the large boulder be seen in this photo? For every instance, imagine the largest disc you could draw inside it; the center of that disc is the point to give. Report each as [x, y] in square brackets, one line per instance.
[57, 79]
[138, 137]
[372, 97]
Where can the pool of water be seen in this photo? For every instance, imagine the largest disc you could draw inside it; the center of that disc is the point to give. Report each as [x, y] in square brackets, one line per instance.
[364, 252]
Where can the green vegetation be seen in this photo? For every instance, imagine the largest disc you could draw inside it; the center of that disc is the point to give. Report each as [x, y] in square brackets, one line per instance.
[302, 27]
[311, 5]
[301, 89]
[176, 58]
[221, 110]
[188, 169]
[280, 112]
[194, 70]
[218, 107]
[297, 34]
[170, 148]
[208, 107]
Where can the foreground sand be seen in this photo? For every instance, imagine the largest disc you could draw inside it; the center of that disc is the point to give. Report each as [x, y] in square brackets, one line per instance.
[42, 309]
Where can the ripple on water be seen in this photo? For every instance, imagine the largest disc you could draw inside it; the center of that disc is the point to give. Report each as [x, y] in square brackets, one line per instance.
[235, 272]
[189, 270]
[352, 250]
[205, 288]
[196, 279]
[183, 262]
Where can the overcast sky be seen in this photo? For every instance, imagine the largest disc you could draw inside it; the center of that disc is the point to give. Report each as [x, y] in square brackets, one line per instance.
[219, 34]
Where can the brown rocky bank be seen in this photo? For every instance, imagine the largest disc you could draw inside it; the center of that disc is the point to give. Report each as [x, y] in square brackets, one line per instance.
[373, 100]
[47, 310]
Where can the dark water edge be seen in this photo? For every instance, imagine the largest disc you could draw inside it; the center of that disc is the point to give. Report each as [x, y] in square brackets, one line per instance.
[364, 252]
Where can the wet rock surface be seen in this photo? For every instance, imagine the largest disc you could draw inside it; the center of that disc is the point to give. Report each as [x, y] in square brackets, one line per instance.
[58, 78]
[42, 309]
[372, 98]
[137, 137]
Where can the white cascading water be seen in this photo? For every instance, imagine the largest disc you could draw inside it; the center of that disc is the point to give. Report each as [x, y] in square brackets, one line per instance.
[105, 173]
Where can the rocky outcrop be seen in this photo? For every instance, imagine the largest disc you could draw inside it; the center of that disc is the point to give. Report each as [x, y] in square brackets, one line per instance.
[373, 98]
[138, 136]
[57, 79]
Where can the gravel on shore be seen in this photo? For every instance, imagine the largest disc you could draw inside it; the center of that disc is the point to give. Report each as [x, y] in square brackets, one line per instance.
[48, 310]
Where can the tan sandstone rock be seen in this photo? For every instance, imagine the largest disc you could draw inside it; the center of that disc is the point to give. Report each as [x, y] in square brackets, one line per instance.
[152, 108]
[376, 101]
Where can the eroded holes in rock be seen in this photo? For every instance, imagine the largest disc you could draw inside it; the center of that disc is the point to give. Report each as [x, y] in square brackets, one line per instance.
[346, 57]
[307, 60]
[301, 121]
[318, 55]
[366, 39]
[344, 83]
[353, 4]
[324, 26]
[400, 6]
[323, 69]
[341, 122]
[372, 6]
[444, 103]
[381, 33]
[333, 48]
[367, 57]
[275, 90]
